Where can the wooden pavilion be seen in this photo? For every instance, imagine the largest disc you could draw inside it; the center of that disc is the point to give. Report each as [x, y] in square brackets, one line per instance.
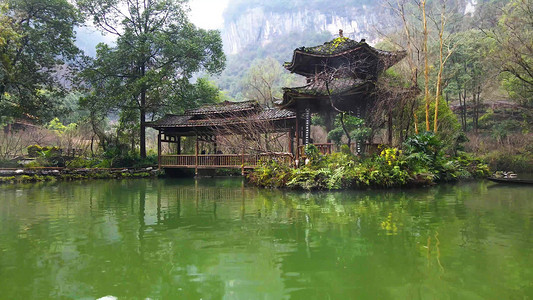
[207, 123]
[341, 77]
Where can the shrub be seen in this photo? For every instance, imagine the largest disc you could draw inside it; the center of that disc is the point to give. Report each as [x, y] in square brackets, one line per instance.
[504, 161]
[270, 174]
[82, 162]
[33, 164]
[9, 163]
[50, 157]
[424, 153]
[34, 150]
[115, 157]
[423, 162]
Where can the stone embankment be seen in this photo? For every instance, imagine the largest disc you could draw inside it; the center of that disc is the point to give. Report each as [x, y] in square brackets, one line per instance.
[67, 174]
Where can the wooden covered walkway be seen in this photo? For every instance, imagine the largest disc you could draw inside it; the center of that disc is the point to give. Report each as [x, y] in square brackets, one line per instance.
[209, 124]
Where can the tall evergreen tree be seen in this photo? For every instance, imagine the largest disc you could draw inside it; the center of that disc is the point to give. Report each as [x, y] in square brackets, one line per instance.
[157, 52]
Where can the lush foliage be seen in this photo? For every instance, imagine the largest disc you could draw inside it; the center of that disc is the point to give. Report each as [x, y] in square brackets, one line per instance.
[148, 71]
[36, 40]
[514, 50]
[422, 162]
[350, 128]
[263, 81]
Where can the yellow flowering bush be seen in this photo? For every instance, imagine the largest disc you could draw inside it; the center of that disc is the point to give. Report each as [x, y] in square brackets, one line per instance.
[390, 155]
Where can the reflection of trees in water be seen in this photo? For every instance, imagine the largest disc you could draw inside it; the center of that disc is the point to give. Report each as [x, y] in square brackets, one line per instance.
[185, 234]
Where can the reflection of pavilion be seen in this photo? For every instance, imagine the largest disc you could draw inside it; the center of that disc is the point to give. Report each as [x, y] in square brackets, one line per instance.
[341, 77]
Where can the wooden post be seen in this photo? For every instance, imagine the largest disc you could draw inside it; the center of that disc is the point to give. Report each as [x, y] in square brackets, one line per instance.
[307, 125]
[291, 136]
[242, 157]
[389, 129]
[159, 150]
[297, 135]
[179, 144]
[196, 158]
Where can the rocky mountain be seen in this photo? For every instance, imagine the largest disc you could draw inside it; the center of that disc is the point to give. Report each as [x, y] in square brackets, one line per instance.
[260, 26]
[255, 29]
[259, 23]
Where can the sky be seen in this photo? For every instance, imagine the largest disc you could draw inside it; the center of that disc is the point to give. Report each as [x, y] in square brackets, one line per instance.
[207, 14]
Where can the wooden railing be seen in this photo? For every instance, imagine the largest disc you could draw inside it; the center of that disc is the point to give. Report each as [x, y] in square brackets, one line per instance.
[328, 148]
[325, 148]
[222, 160]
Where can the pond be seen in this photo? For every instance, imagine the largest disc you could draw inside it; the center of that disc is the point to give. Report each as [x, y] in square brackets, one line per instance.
[221, 239]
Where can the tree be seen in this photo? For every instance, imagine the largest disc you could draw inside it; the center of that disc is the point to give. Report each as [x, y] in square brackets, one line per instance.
[426, 59]
[350, 127]
[263, 81]
[156, 54]
[468, 71]
[443, 58]
[36, 43]
[514, 48]
[425, 24]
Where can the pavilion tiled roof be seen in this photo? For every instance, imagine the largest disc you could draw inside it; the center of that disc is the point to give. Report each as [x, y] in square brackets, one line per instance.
[195, 119]
[310, 60]
[272, 114]
[170, 120]
[333, 87]
[224, 107]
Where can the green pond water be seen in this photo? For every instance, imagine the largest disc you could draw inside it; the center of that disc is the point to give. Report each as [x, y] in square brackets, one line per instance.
[221, 239]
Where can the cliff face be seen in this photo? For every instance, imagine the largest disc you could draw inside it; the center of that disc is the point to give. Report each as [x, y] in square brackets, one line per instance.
[256, 24]
[256, 29]
[260, 27]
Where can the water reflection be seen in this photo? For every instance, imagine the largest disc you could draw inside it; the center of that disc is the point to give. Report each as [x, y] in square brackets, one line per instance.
[215, 239]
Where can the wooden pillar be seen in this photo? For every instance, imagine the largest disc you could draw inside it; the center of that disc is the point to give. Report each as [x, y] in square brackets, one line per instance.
[178, 141]
[242, 157]
[196, 158]
[291, 136]
[297, 134]
[389, 125]
[327, 121]
[307, 126]
[359, 142]
[159, 150]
